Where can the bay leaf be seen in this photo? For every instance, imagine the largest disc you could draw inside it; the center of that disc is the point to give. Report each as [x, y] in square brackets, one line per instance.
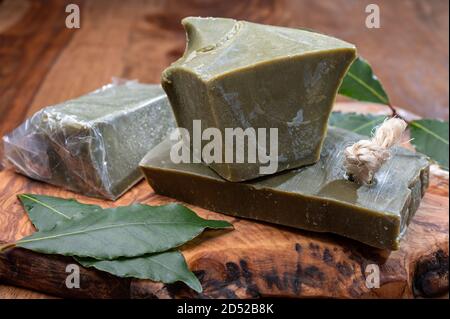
[46, 211]
[360, 83]
[362, 124]
[127, 231]
[167, 267]
[430, 137]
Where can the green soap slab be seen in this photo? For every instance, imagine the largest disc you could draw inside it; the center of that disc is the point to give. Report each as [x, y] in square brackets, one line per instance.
[92, 144]
[238, 74]
[316, 198]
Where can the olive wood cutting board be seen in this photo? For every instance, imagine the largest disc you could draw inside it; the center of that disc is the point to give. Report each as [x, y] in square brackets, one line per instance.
[253, 260]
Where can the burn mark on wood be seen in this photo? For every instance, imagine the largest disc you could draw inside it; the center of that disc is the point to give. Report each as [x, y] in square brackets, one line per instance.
[314, 273]
[272, 279]
[431, 275]
[344, 269]
[233, 272]
[252, 288]
[314, 250]
[246, 273]
[289, 279]
[311, 276]
[328, 257]
[296, 283]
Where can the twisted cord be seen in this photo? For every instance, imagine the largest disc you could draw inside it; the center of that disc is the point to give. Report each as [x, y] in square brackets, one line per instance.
[364, 158]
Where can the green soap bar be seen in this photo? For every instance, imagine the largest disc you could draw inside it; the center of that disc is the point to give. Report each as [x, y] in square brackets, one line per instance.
[317, 197]
[92, 144]
[238, 74]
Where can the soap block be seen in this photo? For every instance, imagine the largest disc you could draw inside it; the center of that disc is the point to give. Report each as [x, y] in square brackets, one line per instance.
[316, 198]
[92, 144]
[238, 74]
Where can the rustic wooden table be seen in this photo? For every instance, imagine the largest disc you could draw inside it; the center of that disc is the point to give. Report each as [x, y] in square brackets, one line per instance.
[42, 62]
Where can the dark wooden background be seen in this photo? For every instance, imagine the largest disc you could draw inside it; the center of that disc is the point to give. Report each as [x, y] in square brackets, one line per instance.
[42, 62]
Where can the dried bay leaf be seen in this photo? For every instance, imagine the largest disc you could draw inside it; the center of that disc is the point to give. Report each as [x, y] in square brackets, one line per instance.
[359, 123]
[46, 211]
[430, 137]
[167, 267]
[127, 231]
[360, 83]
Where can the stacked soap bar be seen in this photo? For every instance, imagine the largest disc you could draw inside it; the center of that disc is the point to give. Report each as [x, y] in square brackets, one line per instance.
[237, 74]
[317, 198]
[92, 144]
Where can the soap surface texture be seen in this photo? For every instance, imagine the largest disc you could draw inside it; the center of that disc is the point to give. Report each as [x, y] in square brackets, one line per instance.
[92, 144]
[238, 74]
[316, 198]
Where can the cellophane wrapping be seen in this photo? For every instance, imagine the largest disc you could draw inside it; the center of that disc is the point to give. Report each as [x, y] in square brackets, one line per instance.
[92, 144]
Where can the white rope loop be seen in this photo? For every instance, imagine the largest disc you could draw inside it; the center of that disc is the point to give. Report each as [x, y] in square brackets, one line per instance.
[364, 158]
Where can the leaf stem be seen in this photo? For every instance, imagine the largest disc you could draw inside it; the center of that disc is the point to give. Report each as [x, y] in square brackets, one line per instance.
[6, 246]
[394, 113]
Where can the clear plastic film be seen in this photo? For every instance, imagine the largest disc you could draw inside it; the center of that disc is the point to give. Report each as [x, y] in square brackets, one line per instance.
[92, 144]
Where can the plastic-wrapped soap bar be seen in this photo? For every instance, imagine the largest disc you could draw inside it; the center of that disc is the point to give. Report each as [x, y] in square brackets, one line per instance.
[237, 74]
[317, 197]
[92, 144]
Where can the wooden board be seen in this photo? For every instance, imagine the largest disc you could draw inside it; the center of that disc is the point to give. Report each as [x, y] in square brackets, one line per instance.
[254, 260]
[42, 62]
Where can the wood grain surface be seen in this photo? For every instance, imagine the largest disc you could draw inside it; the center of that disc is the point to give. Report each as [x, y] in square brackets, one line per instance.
[254, 260]
[42, 62]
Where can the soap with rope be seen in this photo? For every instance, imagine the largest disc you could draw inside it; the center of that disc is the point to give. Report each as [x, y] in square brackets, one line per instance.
[320, 197]
[364, 158]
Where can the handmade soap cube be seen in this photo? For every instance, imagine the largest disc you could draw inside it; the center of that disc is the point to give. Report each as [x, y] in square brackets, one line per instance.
[237, 74]
[316, 198]
[92, 144]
